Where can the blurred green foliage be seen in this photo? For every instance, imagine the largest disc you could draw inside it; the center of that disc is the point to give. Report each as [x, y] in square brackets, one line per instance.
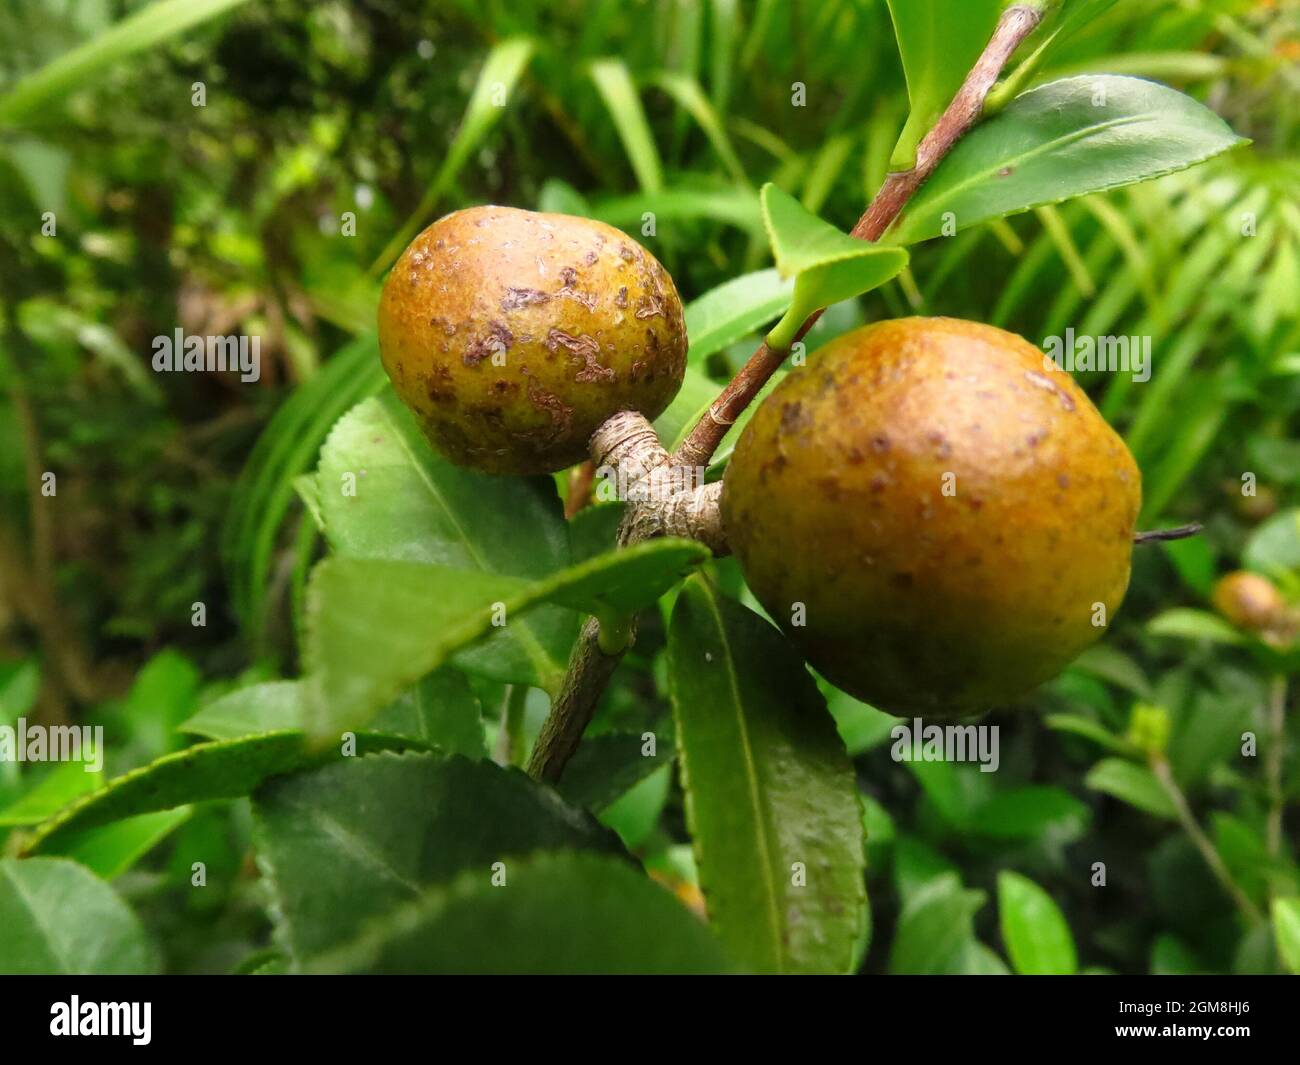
[233, 215]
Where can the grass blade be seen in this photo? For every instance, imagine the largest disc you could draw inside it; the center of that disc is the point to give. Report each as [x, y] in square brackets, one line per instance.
[73, 70]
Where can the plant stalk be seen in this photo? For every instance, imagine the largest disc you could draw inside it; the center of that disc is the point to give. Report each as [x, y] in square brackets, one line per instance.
[589, 667]
[1163, 773]
[1017, 23]
[1273, 767]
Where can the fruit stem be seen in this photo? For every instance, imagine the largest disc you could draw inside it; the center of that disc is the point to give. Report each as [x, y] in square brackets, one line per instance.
[589, 667]
[1182, 532]
[967, 107]
[571, 712]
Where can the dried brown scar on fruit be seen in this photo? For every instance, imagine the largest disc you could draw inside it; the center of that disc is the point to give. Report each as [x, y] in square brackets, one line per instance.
[586, 349]
[522, 297]
[1039, 381]
[497, 341]
[650, 307]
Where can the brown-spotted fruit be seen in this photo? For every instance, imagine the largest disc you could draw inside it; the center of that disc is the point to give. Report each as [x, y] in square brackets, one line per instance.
[512, 335]
[1255, 604]
[938, 517]
[1248, 601]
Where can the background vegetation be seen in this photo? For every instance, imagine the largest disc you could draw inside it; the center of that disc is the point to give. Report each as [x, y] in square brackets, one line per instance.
[231, 217]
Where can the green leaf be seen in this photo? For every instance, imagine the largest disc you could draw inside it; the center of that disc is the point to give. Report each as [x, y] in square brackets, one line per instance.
[559, 197]
[275, 706]
[692, 400]
[146, 28]
[1245, 853]
[1064, 139]
[688, 94]
[306, 487]
[878, 831]
[826, 169]
[375, 627]
[934, 927]
[593, 529]
[45, 170]
[226, 769]
[441, 710]
[607, 767]
[1195, 561]
[57, 918]
[862, 727]
[384, 494]
[1274, 548]
[574, 914]
[771, 799]
[163, 694]
[500, 73]
[1170, 956]
[20, 682]
[349, 842]
[1286, 930]
[635, 814]
[733, 310]
[1207, 731]
[112, 850]
[287, 448]
[61, 785]
[1031, 812]
[1089, 729]
[916, 865]
[1132, 783]
[725, 30]
[1073, 16]
[1034, 929]
[1105, 661]
[616, 89]
[827, 266]
[939, 41]
[734, 205]
[978, 960]
[955, 790]
[1188, 624]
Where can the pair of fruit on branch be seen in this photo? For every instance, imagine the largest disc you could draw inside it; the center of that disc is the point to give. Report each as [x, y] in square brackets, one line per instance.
[937, 520]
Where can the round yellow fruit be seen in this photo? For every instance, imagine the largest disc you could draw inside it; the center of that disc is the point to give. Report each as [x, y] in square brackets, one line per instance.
[1249, 601]
[512, 335]
[938, 517]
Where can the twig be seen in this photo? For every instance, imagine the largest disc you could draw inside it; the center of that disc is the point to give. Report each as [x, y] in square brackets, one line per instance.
[1016, 24]
[584, 683]
[590, 668]
[1160, 767]
[72, 671]
[1182, 532]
